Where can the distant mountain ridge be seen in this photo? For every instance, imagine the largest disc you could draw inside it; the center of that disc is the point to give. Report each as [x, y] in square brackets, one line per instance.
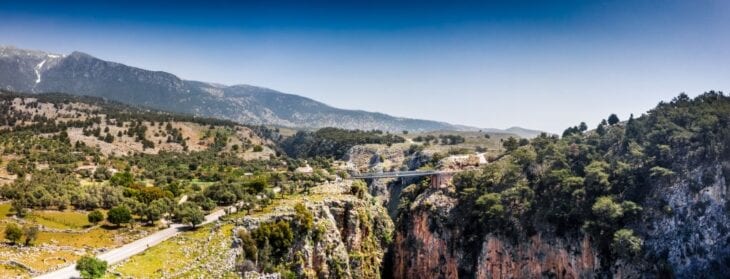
[82, 74]
[522, 132]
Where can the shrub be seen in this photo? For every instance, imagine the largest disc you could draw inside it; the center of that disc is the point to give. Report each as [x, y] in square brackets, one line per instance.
[278, 236]
[119, 215]
[13, 233]
[358, 189]
[303, 217]
[91, 267]
[95, 217]
[31, 233]
[626, 244]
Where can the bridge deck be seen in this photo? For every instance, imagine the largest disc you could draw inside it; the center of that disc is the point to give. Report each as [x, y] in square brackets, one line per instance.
[396, 174]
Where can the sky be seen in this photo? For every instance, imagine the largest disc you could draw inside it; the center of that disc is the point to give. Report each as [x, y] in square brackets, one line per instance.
[543, 65]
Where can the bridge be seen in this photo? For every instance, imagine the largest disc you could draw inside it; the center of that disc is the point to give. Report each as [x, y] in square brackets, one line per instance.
[438, 178]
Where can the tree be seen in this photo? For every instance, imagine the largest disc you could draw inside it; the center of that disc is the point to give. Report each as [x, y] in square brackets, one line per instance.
[19, 206]
[190, 213]
[248, 245]
[626, 244]
[31, 233]
[607, 210]
[613, 119]
[583, 127]
[91, 267]
[303, 217]
[154, 210]
[13, 233]
[511, 144]
[358, 189]
[491, 206]
[125, 179]
[119, 215]
[95, 217]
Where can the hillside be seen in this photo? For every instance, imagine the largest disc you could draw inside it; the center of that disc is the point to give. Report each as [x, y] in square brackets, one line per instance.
[82, 74]
[644, 198]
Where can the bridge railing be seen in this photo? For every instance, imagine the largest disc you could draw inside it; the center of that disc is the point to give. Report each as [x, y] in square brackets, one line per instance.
[397, 174]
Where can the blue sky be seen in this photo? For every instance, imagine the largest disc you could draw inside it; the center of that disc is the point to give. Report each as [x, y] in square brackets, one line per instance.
[537, 64]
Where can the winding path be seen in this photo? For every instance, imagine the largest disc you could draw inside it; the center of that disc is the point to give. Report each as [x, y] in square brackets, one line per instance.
[130, 249]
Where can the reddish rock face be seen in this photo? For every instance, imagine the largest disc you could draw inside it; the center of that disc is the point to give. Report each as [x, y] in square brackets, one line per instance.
[536, 259]
[420, 251]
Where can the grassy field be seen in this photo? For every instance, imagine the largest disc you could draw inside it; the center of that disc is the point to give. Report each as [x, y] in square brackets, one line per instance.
[10, 271]
[183, 256]
[4, 209]
[68, 238]
[201, 184]
[60, 219]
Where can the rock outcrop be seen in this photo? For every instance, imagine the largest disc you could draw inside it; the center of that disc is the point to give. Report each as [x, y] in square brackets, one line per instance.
[689, 236]
[349, 239]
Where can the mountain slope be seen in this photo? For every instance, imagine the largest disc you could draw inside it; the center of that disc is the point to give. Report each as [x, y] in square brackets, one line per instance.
[82, 74]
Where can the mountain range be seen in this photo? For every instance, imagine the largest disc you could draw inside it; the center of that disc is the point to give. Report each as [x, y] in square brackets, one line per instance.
[82, 74]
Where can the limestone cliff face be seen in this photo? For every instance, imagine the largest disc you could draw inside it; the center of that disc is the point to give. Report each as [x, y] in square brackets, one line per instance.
[349, 238]
[684, 226]
[688, 223]
[425, 248]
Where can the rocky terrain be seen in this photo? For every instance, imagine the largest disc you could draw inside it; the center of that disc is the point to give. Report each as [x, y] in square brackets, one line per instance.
[192, 136]
[349, 238]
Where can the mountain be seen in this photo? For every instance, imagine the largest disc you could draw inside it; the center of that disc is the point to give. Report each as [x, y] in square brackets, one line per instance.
[82, 74]
[519, 131]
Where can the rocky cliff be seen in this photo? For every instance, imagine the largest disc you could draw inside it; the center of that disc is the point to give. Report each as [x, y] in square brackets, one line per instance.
[647, 198]
[348, 239]
[687, 237]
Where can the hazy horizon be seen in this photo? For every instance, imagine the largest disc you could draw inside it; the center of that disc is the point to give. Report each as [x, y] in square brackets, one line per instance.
[536, 65]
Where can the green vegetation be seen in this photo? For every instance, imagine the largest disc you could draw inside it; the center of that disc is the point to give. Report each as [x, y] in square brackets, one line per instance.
[95, 217]
[31, 234]
[625, 244]
[13, 233]
[91, 267]
[303, 218]
[593, 181]
[189, 213]
[273, 241]
[59, 219]
[442, 139]
[187, 255]
[359, 189]
[119, 215]
[333, 142]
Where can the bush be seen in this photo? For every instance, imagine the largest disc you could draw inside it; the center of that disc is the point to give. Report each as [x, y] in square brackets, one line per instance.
[358, 189]
[248, 245]
[190, 213]
[31, 233]
[91, 267]
[95, 217]
[278, 236]
[119, 215]
[13, 233]
[303, 217]
[626, 244]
